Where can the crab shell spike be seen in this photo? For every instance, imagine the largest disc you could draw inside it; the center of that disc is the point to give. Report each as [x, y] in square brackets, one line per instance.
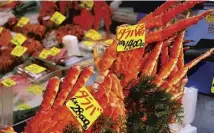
[160, 35]
[162, 20]
[150, 64]
[158, 11]
[86, 73]
[182, 72]
[50, 93]
[170, 65]
[67, 85]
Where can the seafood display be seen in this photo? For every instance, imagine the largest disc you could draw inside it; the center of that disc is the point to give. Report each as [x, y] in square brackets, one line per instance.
[138, 89]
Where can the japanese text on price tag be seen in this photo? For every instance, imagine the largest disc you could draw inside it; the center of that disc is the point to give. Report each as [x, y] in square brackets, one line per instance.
[18, 39]
[84, 107]
[130, 37]
[35, 89]
[58, 18]
[54, 51]
[1, 29]
[18, 51]
[34, 68]
[23, 21]
[212, 87]
[93, 35]
[44, 54]
[8, 82]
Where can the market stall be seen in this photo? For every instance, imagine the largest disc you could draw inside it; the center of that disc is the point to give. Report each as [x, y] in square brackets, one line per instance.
[62, 70]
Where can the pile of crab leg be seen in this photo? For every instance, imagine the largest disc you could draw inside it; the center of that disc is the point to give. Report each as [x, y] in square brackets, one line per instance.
[54, 116]
[165, 60]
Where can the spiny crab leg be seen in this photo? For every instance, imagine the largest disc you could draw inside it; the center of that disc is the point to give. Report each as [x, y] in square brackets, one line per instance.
[170, 30]
[158, 11]
[84, 77]
[67, 85]
[167, 69]
[182, 72]
[150, 64]
[162, 20]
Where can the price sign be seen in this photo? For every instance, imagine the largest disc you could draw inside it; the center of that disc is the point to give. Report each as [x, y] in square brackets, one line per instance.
[87, 4]
[210, 18]
[212, 87]
[35, 89]
[8, 82]
[23, 21]
[93, 35]
[1, 29]
[44, 54]
[130, 37]
[34, 68]
[84, 106]
[88, 43]
[24, 107]
[54, 51]
[18, 51]
[109, 41]
[58, 18]
[18, 39]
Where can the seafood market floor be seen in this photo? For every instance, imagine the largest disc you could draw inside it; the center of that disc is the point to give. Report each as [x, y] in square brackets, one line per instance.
[204, 118]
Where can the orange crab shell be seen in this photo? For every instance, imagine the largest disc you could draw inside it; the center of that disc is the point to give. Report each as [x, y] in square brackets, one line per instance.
[5, 37]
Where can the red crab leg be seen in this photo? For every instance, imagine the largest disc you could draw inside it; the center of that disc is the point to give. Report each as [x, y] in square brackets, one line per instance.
[50, 93]
[170, 65]
[154, 72]
[84, 76]
[67, 85]
[160, 35]
[182, 72]
[150, 64]
[164, 56]
[145, 59]
[158, 11]
[162, 20]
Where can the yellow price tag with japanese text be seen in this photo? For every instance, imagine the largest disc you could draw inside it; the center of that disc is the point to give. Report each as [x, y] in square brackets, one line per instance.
[35, 89]
[58, 18]
[212, 87]
[93, 35]
[1, 29]
[44, 54]
[87, 4]
[84, 107]
[130, 37]
[8, 82]
[88, 43]
[54, 51]
[24, 107]
[23, 21]
[18, 39]
[34, 68]
[109, 41]
[210, 18]
[18, 51]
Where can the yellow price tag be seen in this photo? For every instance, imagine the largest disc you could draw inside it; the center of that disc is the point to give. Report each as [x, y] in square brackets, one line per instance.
[24, 107]
[212, 87]
[84, 106]
[44, 54]
[22, 22]
[34, 68]
[54, 51]
[88, 43]
[8, 82]
[210, 18]
[35, 89]
[18, 39]
[87, 4]
[130, 37]
[18, 51]
[93, 35]
[109, 41]
[1, 29]
[58, 18]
